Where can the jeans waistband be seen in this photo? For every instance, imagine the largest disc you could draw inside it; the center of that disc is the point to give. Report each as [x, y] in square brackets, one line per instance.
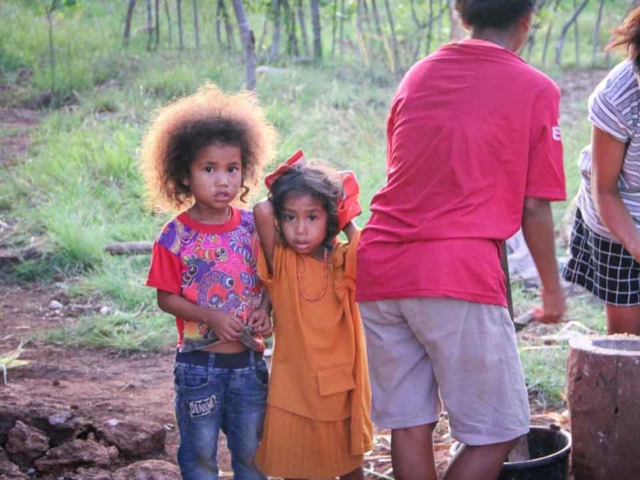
[219, 360]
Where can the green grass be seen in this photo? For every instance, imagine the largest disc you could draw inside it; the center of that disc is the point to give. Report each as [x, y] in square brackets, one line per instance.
[121, 330]
[544, 372]
[78, 188]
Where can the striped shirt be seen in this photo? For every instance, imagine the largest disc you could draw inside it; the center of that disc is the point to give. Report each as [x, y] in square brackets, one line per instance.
[614, 107]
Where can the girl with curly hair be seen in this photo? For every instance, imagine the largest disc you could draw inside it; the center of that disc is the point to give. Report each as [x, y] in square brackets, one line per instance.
[200, 157]
[317, 422]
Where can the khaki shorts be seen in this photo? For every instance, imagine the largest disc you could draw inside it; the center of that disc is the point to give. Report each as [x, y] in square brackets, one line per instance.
[465, 351]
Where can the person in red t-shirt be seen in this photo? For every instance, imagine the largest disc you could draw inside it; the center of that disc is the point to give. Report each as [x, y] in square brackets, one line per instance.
[474, 153]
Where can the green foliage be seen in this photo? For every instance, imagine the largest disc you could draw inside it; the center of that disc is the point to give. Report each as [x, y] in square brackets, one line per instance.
[544, 372]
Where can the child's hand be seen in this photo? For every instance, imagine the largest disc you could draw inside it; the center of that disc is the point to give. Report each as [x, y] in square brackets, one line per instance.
[227, 327]
[349, 207]
[260, 322]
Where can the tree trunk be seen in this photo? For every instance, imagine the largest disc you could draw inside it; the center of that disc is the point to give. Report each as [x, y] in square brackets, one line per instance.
[548, 35]
[317, 32]
[149, 25]
[274, 51]
[157, 12]
[248, 43]
[596, 34]
[290, 22]
[341, 44]
[127, 22]
[231, 43]
[334, 28]
[169, 29]
[576, 37]
[376, 20]
[180, 31]
[430, 27]
[456, 32]
[603, 393]
[196, 23]
[263, 35]
[360, 47]
[394, 39]
[444, 7]
[531, 38]
[52, 55]
[420, 26]
[219, 22]
[303, 29]
[565, 29]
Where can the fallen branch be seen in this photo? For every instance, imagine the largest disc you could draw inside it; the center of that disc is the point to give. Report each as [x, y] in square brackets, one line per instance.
[523, 320]
[129, 248]
[11, 257]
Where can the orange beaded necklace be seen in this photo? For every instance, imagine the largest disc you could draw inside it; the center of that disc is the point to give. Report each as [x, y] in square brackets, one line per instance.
[300, 275]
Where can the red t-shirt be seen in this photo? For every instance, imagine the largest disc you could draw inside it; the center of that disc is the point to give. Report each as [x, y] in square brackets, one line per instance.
[473, 130]
[213, 266]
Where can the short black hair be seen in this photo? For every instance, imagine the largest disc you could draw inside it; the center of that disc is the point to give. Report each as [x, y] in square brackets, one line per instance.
[498, 14]
[321, 183]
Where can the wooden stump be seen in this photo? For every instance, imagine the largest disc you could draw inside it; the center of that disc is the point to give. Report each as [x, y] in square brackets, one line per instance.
[603, 390]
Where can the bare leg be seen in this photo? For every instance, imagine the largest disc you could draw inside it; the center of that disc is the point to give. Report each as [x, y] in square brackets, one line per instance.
[623, 319]
[479, 463]
[357, 474]
[412, 453]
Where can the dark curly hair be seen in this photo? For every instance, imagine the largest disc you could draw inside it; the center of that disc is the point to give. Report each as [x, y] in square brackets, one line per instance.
[205, 118]
[498, 14]
[316, 180]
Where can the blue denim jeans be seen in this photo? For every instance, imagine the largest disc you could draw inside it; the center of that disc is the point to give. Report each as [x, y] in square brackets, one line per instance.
[209, 399]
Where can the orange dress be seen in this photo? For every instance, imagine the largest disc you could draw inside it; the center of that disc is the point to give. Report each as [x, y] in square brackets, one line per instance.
[318, 410]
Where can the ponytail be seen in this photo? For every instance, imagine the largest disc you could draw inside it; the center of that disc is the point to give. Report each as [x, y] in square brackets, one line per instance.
[628, 34]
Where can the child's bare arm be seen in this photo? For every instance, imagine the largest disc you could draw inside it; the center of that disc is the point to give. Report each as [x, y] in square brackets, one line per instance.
[350, 230]
[266, 226]
[537, 227]
[226, 326]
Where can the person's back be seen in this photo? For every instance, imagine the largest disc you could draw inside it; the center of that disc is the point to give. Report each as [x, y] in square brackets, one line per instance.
[463, 121]
[473, 130]
[474, 152]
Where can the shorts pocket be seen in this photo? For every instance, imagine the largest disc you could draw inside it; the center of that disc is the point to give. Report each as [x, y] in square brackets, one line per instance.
[190, 377]
[261, 373]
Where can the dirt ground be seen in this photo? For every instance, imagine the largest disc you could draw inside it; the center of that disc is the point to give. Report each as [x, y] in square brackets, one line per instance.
[103, 383]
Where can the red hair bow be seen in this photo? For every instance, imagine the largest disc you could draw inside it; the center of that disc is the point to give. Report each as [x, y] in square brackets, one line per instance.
[296, 158]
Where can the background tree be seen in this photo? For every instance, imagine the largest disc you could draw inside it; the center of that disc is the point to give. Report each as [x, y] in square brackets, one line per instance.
[248, 43]
[50, 7]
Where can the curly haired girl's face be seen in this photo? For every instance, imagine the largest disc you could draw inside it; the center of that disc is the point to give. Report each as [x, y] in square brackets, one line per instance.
[215, 178]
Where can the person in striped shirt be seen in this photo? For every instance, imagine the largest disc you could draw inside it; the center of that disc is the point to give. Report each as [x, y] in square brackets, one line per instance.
[605, 237]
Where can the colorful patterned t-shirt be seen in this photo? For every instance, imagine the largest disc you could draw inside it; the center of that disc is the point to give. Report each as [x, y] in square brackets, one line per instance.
[213, 266]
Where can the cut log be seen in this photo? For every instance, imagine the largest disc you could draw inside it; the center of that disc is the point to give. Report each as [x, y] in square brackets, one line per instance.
[129, 248]
[603, 388]
[12, 257]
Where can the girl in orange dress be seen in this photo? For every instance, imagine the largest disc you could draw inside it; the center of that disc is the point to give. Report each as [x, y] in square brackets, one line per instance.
[317, 422]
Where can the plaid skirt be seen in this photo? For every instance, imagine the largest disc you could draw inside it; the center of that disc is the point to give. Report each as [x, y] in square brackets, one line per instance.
[602, 266]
